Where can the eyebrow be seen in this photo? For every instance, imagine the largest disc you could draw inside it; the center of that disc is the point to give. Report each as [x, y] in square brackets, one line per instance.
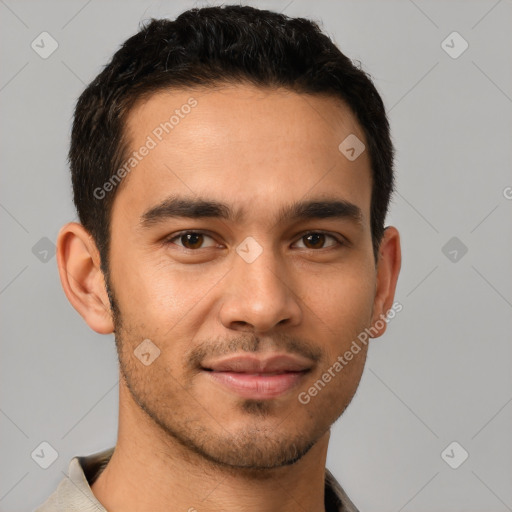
[200, 208]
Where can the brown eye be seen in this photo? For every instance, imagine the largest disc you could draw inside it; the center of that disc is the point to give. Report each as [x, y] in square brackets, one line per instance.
[316, 240]
[190, 240]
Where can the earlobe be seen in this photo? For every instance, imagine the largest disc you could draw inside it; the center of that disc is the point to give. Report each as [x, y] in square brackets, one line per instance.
[81, 277]
[388, 269]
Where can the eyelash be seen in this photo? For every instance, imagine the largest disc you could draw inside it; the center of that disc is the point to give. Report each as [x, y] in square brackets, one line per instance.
[339, 241]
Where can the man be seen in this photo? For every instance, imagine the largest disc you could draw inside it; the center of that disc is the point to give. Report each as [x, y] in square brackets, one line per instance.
[232, 171]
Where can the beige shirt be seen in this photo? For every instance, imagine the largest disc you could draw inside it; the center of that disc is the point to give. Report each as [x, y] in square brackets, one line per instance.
[74, 493]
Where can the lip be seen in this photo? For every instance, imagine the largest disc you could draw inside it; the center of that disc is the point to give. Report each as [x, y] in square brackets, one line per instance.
[260, 378]
[247, 363]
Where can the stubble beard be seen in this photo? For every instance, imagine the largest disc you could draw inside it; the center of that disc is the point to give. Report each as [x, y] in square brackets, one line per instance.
[254, 450]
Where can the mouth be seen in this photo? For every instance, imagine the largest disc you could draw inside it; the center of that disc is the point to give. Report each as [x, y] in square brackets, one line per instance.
[258, 377]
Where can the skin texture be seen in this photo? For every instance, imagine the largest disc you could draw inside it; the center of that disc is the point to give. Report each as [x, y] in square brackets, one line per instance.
[183, 440]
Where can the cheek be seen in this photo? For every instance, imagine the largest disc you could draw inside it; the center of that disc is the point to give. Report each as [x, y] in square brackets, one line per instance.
[343, 297]
[159, 297]
[341, 306]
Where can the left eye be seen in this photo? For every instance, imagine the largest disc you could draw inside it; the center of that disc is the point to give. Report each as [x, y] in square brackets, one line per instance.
[315, 239]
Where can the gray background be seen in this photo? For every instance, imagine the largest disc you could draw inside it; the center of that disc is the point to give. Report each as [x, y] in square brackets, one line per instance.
[441, 373]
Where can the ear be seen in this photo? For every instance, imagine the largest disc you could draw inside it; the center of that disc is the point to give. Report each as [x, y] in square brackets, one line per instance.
[80, 273]
[388, 268]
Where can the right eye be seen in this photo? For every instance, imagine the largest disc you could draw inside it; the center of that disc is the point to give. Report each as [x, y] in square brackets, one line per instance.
[191, 240]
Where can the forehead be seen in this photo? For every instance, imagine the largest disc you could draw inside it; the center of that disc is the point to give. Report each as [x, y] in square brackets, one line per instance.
[249, 146]
[241, 111]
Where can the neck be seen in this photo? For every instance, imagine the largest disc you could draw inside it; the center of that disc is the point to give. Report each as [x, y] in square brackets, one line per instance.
[149, 470]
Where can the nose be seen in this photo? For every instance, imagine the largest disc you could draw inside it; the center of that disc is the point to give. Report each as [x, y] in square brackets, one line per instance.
[259, 296]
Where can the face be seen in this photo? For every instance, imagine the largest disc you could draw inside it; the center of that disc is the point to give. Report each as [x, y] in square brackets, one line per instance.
[241, 248]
